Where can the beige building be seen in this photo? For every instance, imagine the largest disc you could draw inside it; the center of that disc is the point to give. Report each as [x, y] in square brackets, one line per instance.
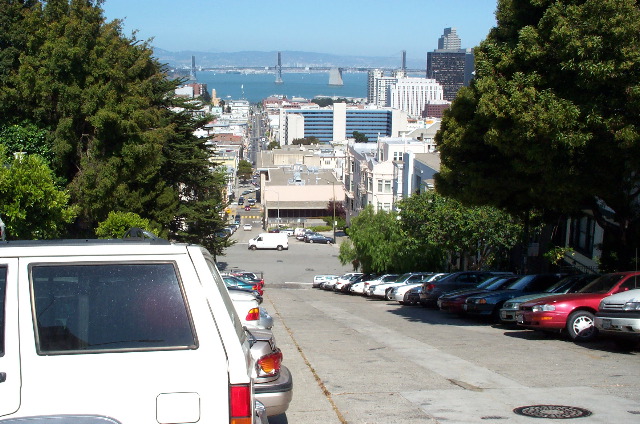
[293, 195]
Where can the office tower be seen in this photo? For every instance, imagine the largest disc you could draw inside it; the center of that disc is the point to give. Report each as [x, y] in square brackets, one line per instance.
[449, 40]
[450, 66]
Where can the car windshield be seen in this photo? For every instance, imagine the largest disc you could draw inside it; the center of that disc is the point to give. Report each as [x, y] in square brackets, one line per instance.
[602, 284]
[522, 282]
[486, 283]
[403, 277]
[499, 283]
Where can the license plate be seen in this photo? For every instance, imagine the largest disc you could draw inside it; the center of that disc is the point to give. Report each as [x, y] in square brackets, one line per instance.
[503, 315]
[520, 318]
[606, 324]
[464, 306]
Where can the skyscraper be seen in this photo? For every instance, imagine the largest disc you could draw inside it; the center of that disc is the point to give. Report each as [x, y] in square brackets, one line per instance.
[450, 65]
[449, 40]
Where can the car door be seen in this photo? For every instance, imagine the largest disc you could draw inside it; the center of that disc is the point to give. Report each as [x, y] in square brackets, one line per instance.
[10, 378]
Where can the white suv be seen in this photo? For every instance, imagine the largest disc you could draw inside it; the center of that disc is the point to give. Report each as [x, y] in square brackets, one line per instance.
[119, 331]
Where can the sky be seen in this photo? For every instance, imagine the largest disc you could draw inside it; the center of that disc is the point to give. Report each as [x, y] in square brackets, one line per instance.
[345, 27]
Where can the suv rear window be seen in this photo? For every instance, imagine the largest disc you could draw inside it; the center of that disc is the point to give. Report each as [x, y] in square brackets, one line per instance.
[107, 307]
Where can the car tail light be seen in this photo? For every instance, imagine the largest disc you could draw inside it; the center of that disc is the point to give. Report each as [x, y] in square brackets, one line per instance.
[240, 404]
[253, 315]
[269, 364]
[430, 287]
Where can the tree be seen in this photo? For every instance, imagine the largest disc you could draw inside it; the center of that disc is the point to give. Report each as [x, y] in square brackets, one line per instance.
[108, 111]
[550, 123]
[118, 223]
[245, 169]
[479, 237]
[360, 137]
[376, 239]
[32, 207]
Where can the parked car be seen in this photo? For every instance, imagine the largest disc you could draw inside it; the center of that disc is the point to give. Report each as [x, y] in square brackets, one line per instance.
[619, 316]
[399, 292]
[310, 234]
[432, 290]
[319, 279]
[570, 284]
[454, 301]
[575, 312]
[145, 323]
[384, 278]
[346, 287]
[319, 238]
[384, 290]
[231, 281]
[300, 235]
[247, 306]
[344, 280]
[273, 385]
[489, 304]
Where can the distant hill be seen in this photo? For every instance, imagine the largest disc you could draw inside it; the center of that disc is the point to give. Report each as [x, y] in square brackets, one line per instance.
[269, 59]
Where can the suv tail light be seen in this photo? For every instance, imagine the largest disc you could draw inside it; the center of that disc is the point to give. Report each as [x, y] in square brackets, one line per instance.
[430, 287]
[253, 315]
[240, 404]
[270, 364]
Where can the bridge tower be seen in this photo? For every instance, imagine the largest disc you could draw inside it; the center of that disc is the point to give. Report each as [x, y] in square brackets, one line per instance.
[279, 70]
[335, 76]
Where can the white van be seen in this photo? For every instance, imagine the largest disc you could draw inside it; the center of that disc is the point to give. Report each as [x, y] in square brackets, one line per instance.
[276, 241]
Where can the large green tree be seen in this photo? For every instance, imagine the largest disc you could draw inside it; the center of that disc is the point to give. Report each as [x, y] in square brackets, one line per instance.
[551, 122]
[117, 135]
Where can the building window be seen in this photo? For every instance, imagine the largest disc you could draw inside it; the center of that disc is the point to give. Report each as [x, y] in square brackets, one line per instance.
[387, 186]
[582, 233]
[397, 156]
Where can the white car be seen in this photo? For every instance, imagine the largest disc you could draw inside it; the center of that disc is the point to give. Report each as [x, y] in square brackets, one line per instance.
[146, 324]
[318, 280]
[385, 278]
[247, 227]
[619, 316]
[384, 289]
[399, 292]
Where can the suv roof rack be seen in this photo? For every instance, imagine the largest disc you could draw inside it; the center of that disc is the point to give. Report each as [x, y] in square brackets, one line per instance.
[132, 236]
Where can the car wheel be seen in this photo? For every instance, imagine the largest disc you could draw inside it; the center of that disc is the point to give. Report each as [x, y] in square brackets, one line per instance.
[253, 248]
[279, 247]
[310, 241]
[580, 326]
[388, 294]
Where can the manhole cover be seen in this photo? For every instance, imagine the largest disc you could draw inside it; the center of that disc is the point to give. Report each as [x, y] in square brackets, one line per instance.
[552, 411]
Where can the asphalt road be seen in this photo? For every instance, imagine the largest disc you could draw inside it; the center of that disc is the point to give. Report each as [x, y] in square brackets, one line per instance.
[357, 360]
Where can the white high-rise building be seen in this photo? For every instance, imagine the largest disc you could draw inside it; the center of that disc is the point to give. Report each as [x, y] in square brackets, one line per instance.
[412, 94]
[378, 88]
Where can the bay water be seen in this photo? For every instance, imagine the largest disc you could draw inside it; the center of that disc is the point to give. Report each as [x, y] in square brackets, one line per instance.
[257, 86]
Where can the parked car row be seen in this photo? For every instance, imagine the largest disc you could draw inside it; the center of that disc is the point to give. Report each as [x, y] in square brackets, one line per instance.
[579, 305]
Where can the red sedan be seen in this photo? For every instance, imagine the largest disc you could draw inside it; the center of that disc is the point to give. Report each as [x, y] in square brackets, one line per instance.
[575, 312]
